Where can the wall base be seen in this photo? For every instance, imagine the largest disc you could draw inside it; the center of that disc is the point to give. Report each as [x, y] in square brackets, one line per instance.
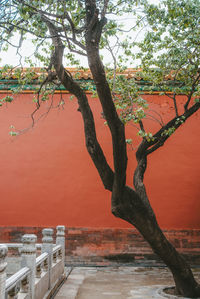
[109, 246]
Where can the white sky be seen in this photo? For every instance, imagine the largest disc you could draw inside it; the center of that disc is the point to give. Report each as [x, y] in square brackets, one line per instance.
[10, 57]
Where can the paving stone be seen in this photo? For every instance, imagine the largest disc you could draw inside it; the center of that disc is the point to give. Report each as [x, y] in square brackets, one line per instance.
[117, 282]
[112, 293]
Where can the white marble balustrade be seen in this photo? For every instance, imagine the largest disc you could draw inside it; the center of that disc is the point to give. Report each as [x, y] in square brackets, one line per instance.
[38, 276]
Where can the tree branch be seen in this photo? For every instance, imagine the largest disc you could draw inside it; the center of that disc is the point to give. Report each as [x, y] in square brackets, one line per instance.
[104, 10]
[93, 33]
[192, 91]
[92, 144]
[68, 39]
[24, 29]
[41, 11]
[160, 137]
[175, 104]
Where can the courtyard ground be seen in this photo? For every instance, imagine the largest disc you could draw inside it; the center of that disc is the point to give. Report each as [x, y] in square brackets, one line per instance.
[120, 282]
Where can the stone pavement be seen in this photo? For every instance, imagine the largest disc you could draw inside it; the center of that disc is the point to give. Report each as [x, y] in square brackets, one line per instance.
[117, 283]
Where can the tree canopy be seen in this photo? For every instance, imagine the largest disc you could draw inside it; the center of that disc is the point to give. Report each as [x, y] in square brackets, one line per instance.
[170, 47]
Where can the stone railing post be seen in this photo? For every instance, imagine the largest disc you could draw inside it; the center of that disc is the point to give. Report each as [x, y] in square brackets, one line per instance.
[60, 240]
[28, 255]
[47, 246]
[3, 264]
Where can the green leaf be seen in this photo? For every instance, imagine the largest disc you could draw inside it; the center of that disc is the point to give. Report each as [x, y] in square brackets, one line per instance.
[13, 133]
[129, 141]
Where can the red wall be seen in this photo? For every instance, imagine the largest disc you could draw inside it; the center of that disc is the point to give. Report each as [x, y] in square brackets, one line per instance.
[47, 177]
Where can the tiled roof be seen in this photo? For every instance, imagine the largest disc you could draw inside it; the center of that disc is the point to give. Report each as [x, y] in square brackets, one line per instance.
[76, 73]
[86, 74]
[9, 78]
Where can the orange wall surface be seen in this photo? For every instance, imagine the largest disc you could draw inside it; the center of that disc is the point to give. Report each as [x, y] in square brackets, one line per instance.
[47, 176]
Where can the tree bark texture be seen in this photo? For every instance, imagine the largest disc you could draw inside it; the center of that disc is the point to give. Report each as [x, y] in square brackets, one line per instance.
[135, 211]
[128, 204]
[133, 205]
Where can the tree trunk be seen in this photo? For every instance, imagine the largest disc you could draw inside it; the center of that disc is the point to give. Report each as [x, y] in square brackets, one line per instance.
[134, 210]
[131, 205]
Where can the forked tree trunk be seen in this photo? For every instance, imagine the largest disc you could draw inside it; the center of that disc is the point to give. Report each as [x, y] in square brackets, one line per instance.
[130, 205]
[135, 211]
